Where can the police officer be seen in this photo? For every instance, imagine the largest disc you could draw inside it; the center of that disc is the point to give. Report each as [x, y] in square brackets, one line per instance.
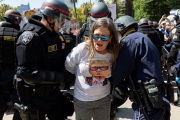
[175, 39]
[8, 32]
[155, 36]
[173, 56]
[139, 62]
[70, 41]
[40, 55]
[155, 25]
[177, 76]
[98, 10]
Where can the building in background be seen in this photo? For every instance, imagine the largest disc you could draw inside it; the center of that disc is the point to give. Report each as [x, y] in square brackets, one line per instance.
[23, 8]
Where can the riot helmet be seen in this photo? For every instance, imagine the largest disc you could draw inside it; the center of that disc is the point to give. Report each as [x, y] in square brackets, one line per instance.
[150, 23]
[175, 12]
[12, 16]
[143, 21]
[125, 22]
[155, 24]
[99, 10]
[57, 10]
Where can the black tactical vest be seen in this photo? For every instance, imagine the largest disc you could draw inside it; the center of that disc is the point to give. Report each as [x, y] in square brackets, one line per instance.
[70, 41]
[8, 34]
[84, 33]
[151, 33]
[51, 49]
[175, 33]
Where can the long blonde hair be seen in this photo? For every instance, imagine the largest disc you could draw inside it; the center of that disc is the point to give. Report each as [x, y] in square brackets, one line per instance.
[113, 46]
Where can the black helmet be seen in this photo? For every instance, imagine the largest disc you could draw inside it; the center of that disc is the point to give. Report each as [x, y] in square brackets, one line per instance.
[155, 24]
[143, 21]
[124, 22]
[53, 8]
[99, 10]
[56, 9]
[150, 22]
[175, 12]
[12, 15]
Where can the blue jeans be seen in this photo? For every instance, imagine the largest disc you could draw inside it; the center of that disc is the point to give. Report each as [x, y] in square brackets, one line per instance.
[98, 110]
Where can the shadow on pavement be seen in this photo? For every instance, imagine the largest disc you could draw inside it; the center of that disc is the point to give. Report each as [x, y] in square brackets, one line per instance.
[125, 113]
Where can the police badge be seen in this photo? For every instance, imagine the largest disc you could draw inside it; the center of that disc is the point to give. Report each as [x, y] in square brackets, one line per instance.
[27, 37]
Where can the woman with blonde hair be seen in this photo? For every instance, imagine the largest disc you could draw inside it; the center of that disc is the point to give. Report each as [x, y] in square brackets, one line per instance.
[91, 62]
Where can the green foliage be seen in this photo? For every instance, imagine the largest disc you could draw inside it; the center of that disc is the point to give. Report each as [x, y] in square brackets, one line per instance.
[120, 8]
[81, 12]
[3, 9]
[150, 9]
[174, 4]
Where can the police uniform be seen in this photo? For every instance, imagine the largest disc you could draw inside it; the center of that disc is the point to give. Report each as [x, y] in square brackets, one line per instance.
[8, 34]
[177, 72]
[155, 36]
[70, 42]
[174, 56]
[175, 41]
[40, 55]
[140, 59]
[83, 33]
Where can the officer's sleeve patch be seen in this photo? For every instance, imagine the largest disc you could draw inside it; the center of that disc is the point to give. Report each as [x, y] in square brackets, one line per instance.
[27, 37]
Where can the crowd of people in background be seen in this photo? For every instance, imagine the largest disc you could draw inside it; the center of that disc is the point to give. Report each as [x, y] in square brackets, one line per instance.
[106, 61]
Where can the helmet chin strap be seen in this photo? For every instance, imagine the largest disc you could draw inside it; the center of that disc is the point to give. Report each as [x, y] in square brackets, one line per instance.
[50, 24]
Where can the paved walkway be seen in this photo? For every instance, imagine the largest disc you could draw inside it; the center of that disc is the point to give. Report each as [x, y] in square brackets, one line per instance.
[124, 113]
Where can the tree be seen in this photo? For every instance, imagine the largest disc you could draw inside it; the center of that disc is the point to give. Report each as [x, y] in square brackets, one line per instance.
[3, 9]
[174, 4]
[86, 10]
[120, 8]
[145, 9]
[74, 2]
[80, 12]
[129, 7]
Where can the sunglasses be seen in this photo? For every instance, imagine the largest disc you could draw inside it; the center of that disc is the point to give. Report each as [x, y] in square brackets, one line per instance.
[103, 68]
[103, 37]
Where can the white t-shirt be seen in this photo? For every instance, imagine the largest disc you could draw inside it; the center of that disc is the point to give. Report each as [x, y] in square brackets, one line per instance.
[91, 75]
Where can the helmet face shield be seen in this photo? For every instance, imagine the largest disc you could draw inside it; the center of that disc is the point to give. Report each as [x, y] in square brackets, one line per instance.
[90, 22]
[67, 26]
[62, 20]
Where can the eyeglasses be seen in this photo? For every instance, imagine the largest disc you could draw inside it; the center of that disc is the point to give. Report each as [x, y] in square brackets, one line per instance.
[103, 68]
[103, 37]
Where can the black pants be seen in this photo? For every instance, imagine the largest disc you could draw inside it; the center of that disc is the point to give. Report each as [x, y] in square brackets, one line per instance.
[42, 106]
[6, 87]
